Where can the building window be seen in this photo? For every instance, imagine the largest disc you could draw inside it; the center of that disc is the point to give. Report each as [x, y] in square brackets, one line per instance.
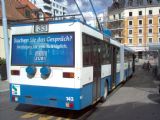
[159, 30]
[158, 1]
[150, 30]
[140, 22]
[47, 7]
[130, 14]
[130, 23]
[150, 21]
[130, 2]
[150, 40]
[140, 13]
[139, 2]
[27, 13]
[150, 12]
[149, 2]
[47, 1]
[140, 40]
[159, 40]
[140, 31]
[159, 20]
[130, 32]
[130, 41]
[159, 11]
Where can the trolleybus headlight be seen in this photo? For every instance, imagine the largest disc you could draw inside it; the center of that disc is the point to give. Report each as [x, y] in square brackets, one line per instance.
[45, 72]
[31, 71]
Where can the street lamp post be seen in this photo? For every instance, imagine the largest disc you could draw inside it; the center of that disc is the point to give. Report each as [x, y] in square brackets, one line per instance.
[5, 33]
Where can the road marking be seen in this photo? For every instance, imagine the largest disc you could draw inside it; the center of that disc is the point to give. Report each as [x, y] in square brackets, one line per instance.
[59, 118]
[47, 116]
[33, 113]
[67, 119]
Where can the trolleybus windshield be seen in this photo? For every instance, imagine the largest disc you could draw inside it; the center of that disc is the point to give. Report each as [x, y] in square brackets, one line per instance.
[56, 49]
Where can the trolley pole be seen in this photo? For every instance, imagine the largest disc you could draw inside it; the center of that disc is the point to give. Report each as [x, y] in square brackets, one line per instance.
[5, 33]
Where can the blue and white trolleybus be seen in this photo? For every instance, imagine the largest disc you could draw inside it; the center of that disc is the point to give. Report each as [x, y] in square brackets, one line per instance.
[65, 64]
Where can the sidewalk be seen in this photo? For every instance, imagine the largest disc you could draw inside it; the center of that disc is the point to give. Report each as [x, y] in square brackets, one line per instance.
[4, 85]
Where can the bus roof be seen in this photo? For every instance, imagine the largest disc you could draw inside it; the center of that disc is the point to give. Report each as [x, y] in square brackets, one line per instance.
[31, 23]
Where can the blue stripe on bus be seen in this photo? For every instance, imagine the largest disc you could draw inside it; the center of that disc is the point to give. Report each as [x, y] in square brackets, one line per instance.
[41, 95]
[56, 97]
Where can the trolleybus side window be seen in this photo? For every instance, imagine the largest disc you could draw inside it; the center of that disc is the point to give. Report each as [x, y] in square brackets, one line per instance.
[87, 50]
[118, 55]
[105, 53]
[125, 56]
[91, 46]
[97, 52]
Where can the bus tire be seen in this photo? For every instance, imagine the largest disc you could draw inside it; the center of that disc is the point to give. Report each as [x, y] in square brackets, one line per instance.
[104, 97]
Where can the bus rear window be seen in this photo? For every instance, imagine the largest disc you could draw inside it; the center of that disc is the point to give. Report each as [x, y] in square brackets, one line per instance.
[56, 49]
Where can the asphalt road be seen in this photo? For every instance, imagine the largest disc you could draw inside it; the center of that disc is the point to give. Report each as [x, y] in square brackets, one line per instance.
[137, 99]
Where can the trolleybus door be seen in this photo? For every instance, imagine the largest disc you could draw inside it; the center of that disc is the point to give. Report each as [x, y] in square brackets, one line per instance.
[96, 70]
[113, 66]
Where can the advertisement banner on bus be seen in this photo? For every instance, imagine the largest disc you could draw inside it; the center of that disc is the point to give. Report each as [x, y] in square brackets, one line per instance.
[56, 49]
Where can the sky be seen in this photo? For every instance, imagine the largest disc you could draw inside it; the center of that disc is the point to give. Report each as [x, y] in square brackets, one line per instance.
[100, 5]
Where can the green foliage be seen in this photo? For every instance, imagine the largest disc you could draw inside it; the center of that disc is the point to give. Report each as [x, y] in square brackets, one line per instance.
[2, 61]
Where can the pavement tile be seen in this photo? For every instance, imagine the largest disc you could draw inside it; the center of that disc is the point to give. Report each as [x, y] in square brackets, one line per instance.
[4, 85]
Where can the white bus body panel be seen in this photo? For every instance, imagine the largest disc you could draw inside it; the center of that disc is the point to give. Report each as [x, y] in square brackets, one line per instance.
[56, 78]
[105, 70]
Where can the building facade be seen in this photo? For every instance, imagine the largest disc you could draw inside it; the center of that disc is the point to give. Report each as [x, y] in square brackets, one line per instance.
[17, 11]
[135, 23]
[50, 7]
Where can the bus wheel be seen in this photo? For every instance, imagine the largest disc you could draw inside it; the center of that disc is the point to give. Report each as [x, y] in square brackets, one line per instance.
[104, 97]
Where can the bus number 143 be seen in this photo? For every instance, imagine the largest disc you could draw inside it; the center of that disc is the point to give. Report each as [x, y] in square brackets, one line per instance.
[69, 98]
